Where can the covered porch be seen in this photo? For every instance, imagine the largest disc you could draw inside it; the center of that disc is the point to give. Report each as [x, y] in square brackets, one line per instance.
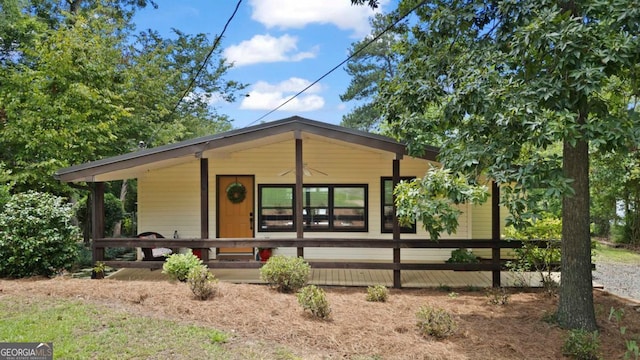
[196, 206]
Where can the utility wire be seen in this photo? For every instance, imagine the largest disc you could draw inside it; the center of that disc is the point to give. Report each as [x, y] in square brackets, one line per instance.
[194, 78]
[340, 64]
[206, 60]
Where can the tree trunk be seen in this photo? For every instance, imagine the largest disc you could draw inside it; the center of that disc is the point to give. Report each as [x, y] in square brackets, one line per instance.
[117, 227]
[575, 309]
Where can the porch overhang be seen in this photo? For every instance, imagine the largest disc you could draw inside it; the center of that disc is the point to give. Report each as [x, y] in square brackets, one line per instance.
[128, 165]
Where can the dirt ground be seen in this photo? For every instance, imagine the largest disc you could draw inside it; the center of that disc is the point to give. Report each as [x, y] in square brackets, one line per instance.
[357, 328]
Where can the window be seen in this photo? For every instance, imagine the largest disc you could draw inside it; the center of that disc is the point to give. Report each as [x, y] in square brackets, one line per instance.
[276, 208]
[350, 208]
[387, 207]
[325, 207]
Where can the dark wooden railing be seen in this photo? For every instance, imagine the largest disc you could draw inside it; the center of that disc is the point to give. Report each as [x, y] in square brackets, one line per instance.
[495, 263]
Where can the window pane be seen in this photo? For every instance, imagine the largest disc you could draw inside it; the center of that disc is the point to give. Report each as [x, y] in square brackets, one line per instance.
[388, 192]
[315, 213]
[349, 197]
[277, 197]
[315, 196]
[276, 208]
[387, 207]
[349, 219]
[388, 218]
[276, 219]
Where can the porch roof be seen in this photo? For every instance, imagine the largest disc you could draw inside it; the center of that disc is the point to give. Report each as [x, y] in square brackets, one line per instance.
[195, 147]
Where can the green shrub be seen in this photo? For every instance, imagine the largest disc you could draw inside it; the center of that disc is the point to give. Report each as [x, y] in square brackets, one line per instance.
[498, 296]
[435, 322]
[531, 257]
[83, 257]
[5, 195]
[36, 235]
[202, 282]
[314, 299]
[462, 256]
[581, 345]
[377, 293]
[178, 266]
[285, 273]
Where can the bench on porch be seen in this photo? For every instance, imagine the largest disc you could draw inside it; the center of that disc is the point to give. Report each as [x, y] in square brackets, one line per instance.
[153, 254]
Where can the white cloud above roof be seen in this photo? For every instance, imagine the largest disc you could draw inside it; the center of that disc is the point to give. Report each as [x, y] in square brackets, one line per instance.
[266, 96]
[265, 49]
[286, 14]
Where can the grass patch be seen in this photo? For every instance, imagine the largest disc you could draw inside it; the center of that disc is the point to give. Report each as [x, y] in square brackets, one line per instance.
[84, 331]
[607, 253]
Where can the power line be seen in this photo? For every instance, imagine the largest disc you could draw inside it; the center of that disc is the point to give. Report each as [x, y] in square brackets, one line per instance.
[206, 60]
[340, 64]
[200, 69]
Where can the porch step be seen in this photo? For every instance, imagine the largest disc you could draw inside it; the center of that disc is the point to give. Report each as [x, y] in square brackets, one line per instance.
[235, 257]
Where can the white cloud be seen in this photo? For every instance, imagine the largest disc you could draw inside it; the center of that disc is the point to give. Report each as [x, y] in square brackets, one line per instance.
[300, 13]
[265, 96]
[291, 85]
[266, 48]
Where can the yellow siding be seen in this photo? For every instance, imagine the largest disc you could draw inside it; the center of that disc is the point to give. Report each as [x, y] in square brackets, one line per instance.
[169, 198]
[482, 226]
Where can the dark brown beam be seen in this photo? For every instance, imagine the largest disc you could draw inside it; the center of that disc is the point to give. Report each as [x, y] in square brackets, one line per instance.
[204, 205]
[397, 282]
[298, 195]
[313, 242]
[97, 220]
[315, 264]
[495, 232]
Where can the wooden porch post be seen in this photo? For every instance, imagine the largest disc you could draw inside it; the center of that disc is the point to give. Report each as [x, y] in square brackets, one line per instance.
[298, 195]
[495, 231]
[397, 283]
[204, 205]
[97, 220]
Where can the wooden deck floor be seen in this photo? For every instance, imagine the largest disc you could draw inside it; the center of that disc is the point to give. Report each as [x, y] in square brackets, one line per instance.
[359, 277]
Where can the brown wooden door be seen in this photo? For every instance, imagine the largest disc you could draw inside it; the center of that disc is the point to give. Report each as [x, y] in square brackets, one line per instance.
[235, 218]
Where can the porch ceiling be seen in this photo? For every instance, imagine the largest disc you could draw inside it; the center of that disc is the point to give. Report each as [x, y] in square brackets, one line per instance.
[133, 164]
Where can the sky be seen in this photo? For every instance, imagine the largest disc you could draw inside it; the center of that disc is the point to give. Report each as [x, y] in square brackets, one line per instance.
[278, 47]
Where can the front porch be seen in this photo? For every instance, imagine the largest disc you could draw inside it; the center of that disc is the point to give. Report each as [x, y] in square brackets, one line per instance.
[361, 277]
[342, 272]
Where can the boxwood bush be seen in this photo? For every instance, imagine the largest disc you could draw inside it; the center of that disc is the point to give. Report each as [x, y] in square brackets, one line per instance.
[202, 282]
[435, 322]
[178, 266]
[285, 273]
[314, 299]
[378, 293]
[36, 235]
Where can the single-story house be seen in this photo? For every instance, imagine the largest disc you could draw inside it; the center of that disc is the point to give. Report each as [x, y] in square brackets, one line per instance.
[291, 178]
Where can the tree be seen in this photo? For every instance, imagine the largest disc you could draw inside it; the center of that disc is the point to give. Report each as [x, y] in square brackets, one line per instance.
[616, 188]
[79, 85]
[515, 79]
[371, 64]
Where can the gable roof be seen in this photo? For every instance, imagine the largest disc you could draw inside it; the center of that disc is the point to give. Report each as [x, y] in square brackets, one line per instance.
[295, 124]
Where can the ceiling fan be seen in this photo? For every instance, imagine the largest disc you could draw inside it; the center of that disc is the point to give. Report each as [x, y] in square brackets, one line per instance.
[308, 171]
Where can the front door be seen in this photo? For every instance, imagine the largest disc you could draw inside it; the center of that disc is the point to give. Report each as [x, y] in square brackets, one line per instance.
[235, 210]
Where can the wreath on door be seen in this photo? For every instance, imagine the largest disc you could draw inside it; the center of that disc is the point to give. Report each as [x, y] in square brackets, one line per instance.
[236, 192]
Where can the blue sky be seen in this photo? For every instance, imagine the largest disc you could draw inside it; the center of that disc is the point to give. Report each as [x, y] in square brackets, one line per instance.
[278, 48]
